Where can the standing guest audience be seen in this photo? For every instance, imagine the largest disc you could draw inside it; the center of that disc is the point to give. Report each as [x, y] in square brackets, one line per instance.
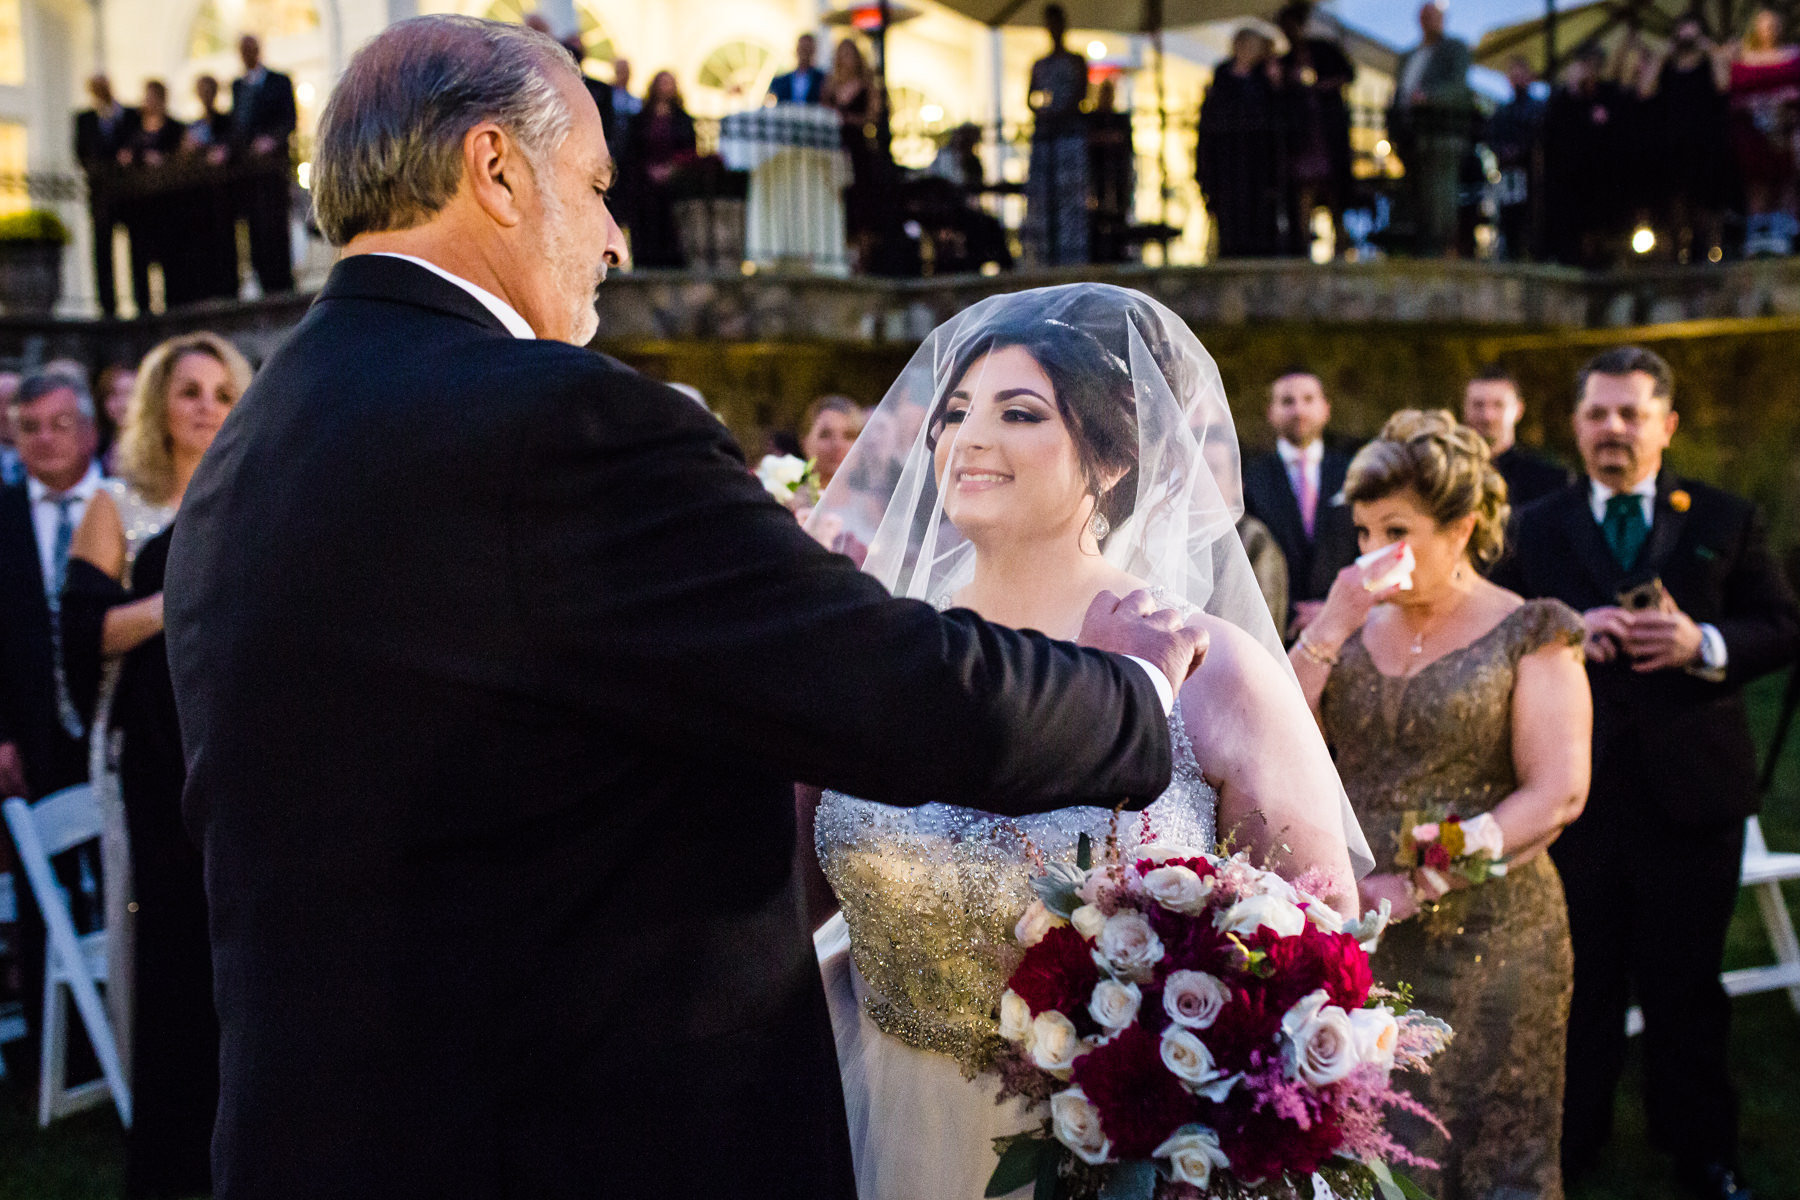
[602, 93]
[1515, 133]
[112, 617]
[112, 390]
[263, 119]
[1056, 188]
[1431, 122]
[52, 417]
[805, 84]
[210, 134]
[150, 212]
[1492, 407]
[662, 142]
[1693, 176]
[1238, 159]
[1456, 697]
[625, 105]
[1683, 605]
[207, 266]
[101, 133]
[1314, 73]
[1586, 165]
[12, 467]
[851, 89]
[1765, 122]
[1294, 489]
[827, 432]
[1112, 171]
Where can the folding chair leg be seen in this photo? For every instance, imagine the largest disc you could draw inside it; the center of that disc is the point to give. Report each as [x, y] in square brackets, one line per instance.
[1780, 924]
[53, 1050]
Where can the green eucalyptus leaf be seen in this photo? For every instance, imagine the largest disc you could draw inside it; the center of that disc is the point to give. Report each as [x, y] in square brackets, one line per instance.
[1049, 1174]
[1130, 1181]
[1408, 1188]
[1018, 1165]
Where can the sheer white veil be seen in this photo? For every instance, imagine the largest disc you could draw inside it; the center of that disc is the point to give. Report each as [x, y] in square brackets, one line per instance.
[1144, 394]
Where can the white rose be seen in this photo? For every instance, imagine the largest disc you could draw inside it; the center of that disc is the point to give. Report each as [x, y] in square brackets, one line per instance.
[1324, 918]
[1321, 1045]
[1484, 833]
[1194, 998]
[1015, 1018]
[780, 474]
[1161, 852]
[1188, 1059]
[1178, 889]
[1193, 1153]
[1088, 921]
[1076, 1123]
[1268, 883]
[1036, 922]
[1054, 1042]
[1129, 946]
[1115, 1005]
[1376, 1032]
[1252, 912]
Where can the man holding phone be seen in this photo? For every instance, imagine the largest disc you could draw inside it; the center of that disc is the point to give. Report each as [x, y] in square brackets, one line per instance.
[1683, 604]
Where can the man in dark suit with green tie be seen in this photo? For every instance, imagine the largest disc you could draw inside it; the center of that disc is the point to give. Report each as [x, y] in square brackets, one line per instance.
[1683, 605]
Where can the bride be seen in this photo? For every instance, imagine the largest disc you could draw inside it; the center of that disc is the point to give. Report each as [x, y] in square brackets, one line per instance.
[1069, 441]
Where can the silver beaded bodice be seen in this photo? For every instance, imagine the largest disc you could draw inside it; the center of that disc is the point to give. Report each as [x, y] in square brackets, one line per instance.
[931, 894]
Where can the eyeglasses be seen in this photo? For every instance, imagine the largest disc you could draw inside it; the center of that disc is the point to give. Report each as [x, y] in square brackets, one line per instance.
[60, 423]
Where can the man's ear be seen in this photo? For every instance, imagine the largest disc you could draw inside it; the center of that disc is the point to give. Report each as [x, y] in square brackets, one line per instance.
[496, 173]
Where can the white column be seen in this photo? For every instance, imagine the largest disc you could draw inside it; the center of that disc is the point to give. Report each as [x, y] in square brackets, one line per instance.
[997, 97]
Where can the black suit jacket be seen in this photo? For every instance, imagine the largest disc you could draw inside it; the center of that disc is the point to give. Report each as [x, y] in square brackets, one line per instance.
[1269, 497]
[1528, 477]
[494, 664]
[1688, 735]
[28, 714]
[264, 109]
[97, 146]
[782, 86]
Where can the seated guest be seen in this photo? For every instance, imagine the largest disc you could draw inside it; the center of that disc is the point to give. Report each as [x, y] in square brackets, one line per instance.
[1683, 605]
[827, 432]
[112, 614]
[1456, 697]
[805, 84]
[1492, 407]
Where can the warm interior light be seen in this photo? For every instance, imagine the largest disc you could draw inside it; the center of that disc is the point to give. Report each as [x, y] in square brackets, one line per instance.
[305, 93]
[1643, 240]
[303, 174]
[1096, 49]
[866, 17]
[931, 114]
[1383, 148]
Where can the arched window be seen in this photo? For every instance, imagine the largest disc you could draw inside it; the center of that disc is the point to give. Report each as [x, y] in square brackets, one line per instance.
[595, 41]
[734, 77]
[218, 23]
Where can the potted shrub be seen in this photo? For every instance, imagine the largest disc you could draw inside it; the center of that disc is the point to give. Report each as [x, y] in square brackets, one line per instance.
[31, 246]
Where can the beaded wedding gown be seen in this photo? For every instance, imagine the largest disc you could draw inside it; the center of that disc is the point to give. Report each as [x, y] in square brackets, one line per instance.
[915, 962]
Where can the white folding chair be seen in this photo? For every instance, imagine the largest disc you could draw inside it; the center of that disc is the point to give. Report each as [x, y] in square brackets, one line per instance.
[74, 965]
[1764, 870]
[12, 1016]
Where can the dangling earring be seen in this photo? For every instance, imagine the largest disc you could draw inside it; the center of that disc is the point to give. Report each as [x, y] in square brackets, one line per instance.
[1099, 526]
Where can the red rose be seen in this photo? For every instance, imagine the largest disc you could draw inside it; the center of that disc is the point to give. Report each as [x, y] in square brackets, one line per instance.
[1057, 973]
[1139, 1101]
[1436, 857]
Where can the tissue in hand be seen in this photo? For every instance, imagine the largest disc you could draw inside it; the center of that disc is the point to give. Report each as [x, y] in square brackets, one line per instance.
[1397, 572]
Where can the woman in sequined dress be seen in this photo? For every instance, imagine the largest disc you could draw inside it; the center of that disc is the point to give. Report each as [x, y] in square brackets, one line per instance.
[1058, 462]
[161, 978]
[1456, 696]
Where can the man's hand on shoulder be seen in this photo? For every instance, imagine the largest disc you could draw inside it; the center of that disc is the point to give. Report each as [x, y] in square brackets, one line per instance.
[1140, 628]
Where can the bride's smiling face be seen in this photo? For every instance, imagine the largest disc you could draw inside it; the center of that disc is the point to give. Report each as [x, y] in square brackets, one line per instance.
[1006, 463]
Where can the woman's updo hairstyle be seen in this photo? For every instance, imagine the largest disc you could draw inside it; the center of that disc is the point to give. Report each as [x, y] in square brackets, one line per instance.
[1445, 464]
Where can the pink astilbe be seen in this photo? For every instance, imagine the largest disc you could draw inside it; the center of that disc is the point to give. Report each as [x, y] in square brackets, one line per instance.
[1290, 1099]
[1363, 1097]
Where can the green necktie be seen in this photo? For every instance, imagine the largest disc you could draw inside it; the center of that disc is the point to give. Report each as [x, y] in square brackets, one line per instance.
[1625, 528]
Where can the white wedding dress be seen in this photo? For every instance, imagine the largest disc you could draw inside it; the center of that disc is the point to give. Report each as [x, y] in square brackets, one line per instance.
[915, 963]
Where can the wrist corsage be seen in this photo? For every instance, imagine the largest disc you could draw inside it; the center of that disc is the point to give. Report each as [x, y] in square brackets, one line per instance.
[1442, 848]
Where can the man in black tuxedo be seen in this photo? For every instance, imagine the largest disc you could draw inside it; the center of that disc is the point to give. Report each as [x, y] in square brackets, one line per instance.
[490, 756]
[102, 133]
[263, 119]
[1651, 867]
[805, 84]
[1294, 490]
[1492, 407]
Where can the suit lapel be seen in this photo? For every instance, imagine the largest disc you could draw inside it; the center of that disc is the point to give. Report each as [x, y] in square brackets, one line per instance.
[1283, 508]
[19, 539]
[1665, 530]
[1588, 543]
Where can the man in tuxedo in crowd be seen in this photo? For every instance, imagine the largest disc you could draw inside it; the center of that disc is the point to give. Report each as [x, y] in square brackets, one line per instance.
[1683, 605]
[1293, 490]
[263, 119]
[102, 134]
[491, 756]
[42, 747]
[805, 84]
[1492, 407]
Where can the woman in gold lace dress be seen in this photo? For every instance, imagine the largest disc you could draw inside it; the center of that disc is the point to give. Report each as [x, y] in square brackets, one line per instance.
[1454, 696]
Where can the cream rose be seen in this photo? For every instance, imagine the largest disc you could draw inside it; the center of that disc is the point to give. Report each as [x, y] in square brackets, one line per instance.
[1193, 1153]
[1376, 1033]
[1129, 946]
[1321, 1047]
[1194, 998]
[1036, 922]
[1088, 921]
[1190, 1061]
[1252, 912]
[1324, 918]
[780, 474]
[1076, 1123]
[1178, 889]
[1115, 1005]
[1015, 1018]
[1054, 1043]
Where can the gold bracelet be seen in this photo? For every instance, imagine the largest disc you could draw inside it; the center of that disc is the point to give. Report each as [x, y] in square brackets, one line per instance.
[1325, 658]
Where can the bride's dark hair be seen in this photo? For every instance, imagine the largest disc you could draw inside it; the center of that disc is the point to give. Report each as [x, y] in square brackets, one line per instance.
[1084, 347]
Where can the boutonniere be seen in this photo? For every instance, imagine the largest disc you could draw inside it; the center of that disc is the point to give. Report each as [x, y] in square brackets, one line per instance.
[1680, 501]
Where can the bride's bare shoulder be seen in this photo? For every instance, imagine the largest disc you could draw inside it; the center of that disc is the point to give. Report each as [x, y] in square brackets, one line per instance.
[1238, 683]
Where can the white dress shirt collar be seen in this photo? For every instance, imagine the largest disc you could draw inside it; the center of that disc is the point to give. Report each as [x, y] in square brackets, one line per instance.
[83, 490]
[1599, 494]
[1311, 453]
[503, 312]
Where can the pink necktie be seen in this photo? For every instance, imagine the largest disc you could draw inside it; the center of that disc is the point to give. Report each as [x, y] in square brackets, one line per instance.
[1307, 494]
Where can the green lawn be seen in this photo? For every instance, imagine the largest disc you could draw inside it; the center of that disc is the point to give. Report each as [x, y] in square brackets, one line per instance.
[80, 1158]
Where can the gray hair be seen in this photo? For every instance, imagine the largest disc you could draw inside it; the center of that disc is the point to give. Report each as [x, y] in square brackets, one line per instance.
[390, 140]
[39, 384]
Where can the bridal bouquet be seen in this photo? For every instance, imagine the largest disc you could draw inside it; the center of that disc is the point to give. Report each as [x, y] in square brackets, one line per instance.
[1197, 1026]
